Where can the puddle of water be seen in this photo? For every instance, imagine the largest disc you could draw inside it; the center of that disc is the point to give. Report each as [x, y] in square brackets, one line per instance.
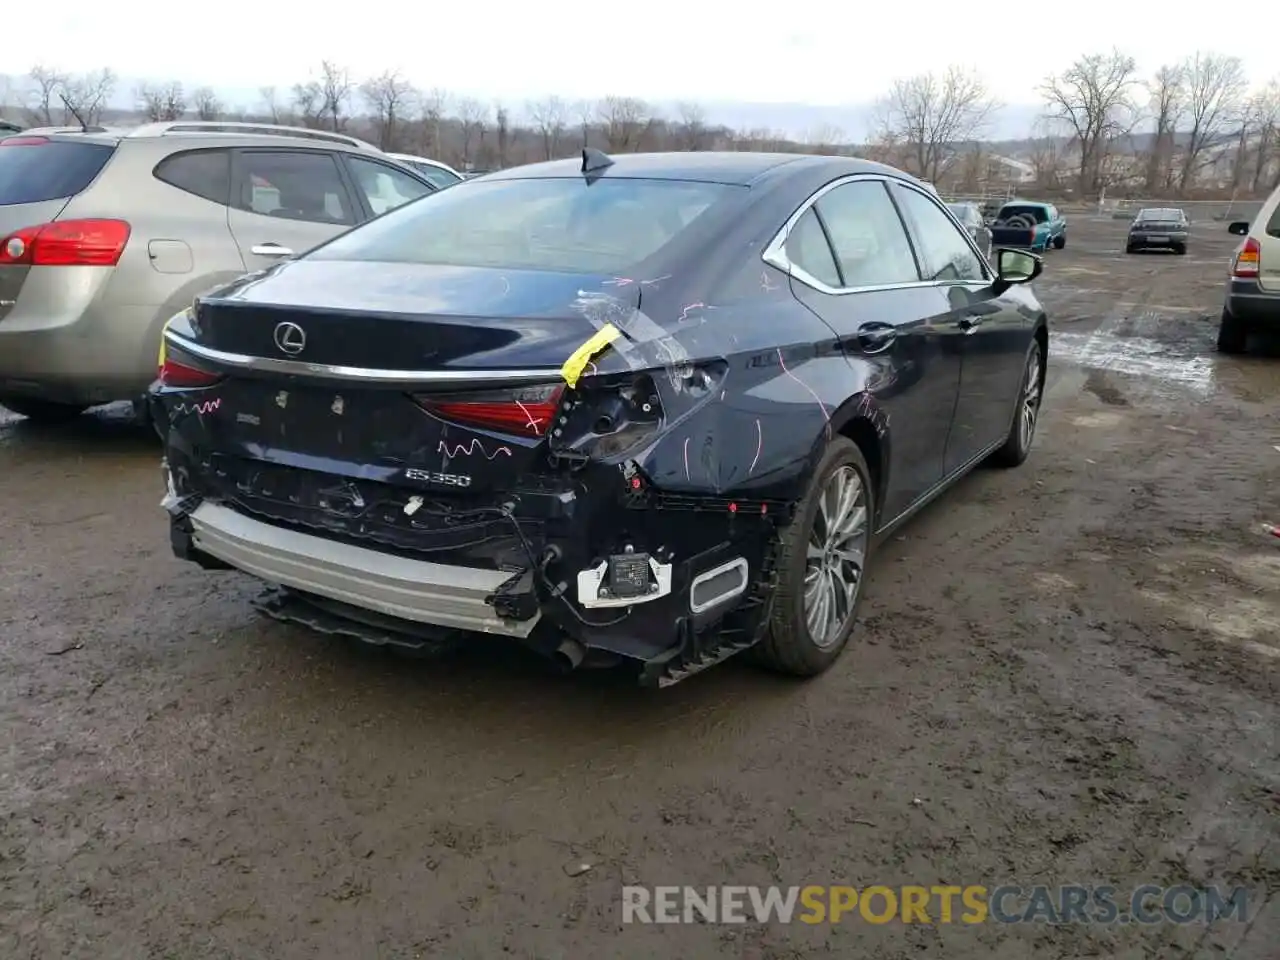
[1136, 356]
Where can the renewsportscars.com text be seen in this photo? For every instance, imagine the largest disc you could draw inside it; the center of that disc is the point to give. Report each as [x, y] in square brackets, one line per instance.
[973, 904]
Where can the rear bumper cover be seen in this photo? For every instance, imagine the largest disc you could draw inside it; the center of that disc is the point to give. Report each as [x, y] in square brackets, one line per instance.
[1247, 301]
[1171, 239]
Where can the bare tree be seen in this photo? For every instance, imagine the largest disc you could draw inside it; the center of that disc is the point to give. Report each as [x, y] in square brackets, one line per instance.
[825, 138]
[433, 105]
[473, 115]
[1168, 89]
[585, 111]
[1046, 154]
[270, 102]
[691, 129]
[1094, 97]
[48, 84]
[308, 101]
[1266, 111]
[164, 101]
[335, 93]
[626, 121]
[1215, 89]
[206, 103]
[502, 120]
[934, 116]
[549, 117]
[89, 93]
[389, 98]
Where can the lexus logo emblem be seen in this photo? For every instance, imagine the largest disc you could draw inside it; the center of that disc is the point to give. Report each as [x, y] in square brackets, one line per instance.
[290, 338]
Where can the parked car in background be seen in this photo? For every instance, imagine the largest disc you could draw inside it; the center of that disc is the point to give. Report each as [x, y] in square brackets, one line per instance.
[970, 216]
[1253, 287]
[1035, 226]
[7, 127]
[515, 408]
[106, 235]
[440, 174]
[1161, 228]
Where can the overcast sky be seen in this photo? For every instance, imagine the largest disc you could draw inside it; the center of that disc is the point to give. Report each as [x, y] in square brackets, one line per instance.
[812, 51]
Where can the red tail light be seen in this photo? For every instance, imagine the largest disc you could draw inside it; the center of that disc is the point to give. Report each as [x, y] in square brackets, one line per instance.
[23, 141]
[176, 374]
[525, 412]
[66, 243]
[1246, 262]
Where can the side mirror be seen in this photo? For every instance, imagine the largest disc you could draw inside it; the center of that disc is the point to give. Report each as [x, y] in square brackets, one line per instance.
[1016, 266]
[1239, 229]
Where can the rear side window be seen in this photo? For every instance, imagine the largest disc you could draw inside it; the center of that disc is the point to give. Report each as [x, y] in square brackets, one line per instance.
[1273, 225]
[206, 173]
[562, 224]
[35, 169]
[808, 249]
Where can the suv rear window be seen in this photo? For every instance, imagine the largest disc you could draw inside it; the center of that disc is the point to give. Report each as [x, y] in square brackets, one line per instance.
[35, 169]
[561, 224]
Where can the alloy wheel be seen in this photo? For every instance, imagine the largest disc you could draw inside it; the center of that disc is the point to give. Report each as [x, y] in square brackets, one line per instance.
[1029, 409]
[837, 551]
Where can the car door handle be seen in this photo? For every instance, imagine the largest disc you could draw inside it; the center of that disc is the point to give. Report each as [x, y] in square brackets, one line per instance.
[968, 324]
[270, 250]
[876, 337]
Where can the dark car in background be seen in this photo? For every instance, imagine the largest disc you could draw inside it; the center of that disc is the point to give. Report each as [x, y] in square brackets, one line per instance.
[653, 409]
[1158, 228]
[970, 216]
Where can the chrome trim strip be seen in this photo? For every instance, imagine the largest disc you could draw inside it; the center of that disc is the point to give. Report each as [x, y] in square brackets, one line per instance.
[300, 368]
[775, 253]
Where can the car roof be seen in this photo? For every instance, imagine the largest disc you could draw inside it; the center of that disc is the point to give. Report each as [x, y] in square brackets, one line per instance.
[417, 159]
[1026, 203]
[222, 132]
[728, 167]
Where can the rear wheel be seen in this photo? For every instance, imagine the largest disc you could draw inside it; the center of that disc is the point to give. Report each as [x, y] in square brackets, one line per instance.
[1233, 336]
[42, 411]
[1023, 429]
[821, 564]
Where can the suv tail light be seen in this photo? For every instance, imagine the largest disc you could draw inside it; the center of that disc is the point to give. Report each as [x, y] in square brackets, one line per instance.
[66, 243]
[1246, 262]
[524, 412]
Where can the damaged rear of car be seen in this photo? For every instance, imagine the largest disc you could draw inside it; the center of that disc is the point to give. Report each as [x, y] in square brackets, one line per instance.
[622, 411]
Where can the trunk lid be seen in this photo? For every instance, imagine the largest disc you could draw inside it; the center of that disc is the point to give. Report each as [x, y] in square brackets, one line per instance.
[407, 317]
[449, 438]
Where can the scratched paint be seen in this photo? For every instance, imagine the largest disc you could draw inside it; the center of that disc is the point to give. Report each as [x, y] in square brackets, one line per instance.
[337, 406]
[202, 408]
[808, 388]
[282, 399]
[470, 448]
[759, 447]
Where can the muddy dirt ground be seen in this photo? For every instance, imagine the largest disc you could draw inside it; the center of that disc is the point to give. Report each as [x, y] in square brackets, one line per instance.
[1072, 667]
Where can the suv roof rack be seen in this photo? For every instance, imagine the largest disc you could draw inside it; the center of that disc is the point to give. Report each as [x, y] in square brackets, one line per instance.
[41, 131]
[178, 127]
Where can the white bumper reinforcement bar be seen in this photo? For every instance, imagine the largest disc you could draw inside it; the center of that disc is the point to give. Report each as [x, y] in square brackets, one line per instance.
[417, 590]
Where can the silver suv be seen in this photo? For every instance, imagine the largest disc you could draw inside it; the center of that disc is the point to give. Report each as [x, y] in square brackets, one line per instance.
[106, 235]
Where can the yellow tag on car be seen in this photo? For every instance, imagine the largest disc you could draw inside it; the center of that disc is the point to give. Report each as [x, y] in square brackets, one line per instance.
[578, 360]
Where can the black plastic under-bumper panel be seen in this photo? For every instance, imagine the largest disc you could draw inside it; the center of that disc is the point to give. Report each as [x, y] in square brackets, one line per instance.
[342, 619]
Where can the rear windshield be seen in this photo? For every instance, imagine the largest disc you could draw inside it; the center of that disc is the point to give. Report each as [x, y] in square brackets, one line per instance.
[1160, 214]
[31, 172]
[544, 224]
[1036, 214]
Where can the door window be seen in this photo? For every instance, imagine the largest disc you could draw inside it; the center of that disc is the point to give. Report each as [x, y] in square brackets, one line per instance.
[945, 252]
[868, 237]
[808, 249]
[294, 185]
[384, 187]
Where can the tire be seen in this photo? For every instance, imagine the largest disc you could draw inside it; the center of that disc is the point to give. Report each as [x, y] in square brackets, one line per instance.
[789, 646]
[1130, 248]
[1060, 242]
[1017, 445]
[1233, 336]
[43, 411]
[1180, 250]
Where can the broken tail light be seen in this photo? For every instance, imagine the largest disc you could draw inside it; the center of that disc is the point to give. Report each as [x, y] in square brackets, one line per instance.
[1246, 261]
[66, 243]
[524, 412]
